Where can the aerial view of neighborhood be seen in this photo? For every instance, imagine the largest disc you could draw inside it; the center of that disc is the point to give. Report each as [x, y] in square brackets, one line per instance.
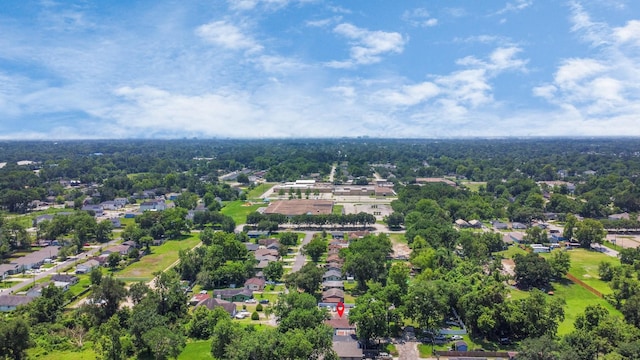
[320, 249]
[320, 180]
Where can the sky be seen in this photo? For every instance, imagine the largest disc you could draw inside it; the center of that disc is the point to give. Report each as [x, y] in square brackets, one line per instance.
[83, 69]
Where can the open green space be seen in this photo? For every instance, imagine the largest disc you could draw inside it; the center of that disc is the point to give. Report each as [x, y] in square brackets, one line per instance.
[257, 191]
[161, 258]
[473, 185]
[337, 209]
[577, 299]
[196, 350]
[584, 266]
[238, 210]
[84, 354]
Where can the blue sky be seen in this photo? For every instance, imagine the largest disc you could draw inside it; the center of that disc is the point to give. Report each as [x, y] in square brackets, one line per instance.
[314, 68]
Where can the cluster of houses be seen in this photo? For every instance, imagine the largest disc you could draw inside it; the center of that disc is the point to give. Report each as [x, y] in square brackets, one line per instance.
[11, 302]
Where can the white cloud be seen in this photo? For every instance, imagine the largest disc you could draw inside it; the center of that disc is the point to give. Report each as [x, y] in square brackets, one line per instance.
[367, 47]
[515, 6]
[410, 95]
[227, 35]
[419, 17]
[630, 33]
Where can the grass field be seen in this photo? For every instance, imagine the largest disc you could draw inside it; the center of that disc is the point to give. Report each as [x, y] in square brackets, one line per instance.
[474, 185]
[577, 299]
[238, 210]
[197, 350]
[162, 256]
[39, 353]
[337, 209]
[584, 266]
[256, 192]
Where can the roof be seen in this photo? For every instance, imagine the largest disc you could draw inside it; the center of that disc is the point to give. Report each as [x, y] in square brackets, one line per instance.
[255, 281]
[64, 278]
[233, 292]
[332, 273]
[340, 323]
[300, 207]
[347, 349]
[14, 300]
[212, 303]
[263, 252]
[38, 256]
[333, 293]
[333, 284]
[90, 263]
[251, 246]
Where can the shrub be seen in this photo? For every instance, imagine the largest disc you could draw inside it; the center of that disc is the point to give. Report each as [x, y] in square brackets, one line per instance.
[255, 316]
[259, 307]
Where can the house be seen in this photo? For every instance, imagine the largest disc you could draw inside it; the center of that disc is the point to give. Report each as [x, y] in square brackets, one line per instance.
[332, 285]
[333, 266]
[334, 258]
[475, 224]
[273, 246]
[212, 303]
[462, 224]
[622, 216]
[460, 346]
[96, 209]
[254, 234]
[262, 264]
[539, 248]
[71, 279]
[172, 196]
[115, 222]
[516, 237]
[333, 296]
[332, 275]
[11, 302]
[198, 298]
[251, 246]
[348, 349]
[33, 260]
[498, 225]
[122, 249]
[153, 205]
[233, 294]
[267, 258]
[518, 226]
[265, 252]
[108, 205]
[337, 234]
[87, 266]
[268, 242]
[120, 202]
[341, 326]
[254, 284]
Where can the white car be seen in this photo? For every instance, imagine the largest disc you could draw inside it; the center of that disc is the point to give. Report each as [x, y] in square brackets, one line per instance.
[250, 301]
[456, 337]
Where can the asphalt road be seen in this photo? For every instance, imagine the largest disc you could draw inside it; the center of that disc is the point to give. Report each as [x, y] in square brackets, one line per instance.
[300, 258]
[55, 269]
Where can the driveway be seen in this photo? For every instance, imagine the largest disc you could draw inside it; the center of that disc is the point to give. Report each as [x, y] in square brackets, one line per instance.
[300, 258]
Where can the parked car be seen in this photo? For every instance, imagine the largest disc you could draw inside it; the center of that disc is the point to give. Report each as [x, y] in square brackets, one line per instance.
[456, 337]
[264, 301]
[250, 301]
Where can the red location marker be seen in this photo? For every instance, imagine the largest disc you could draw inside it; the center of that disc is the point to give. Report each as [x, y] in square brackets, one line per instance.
[340, 308]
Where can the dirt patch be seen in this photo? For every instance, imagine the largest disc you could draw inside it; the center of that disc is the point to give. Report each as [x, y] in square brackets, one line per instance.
[508, 267]
[400, 250]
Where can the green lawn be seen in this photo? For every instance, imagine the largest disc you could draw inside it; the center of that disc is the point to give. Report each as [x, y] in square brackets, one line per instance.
[86, 354]
[256, 192]
[337, 209]
[197, 350]
[161, 257]
[239, 210]
[584, 266]
[577, 299]
[511, 252]
[473, 185]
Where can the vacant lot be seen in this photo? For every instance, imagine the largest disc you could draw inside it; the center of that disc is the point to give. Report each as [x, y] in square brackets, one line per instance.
[239, 210]
[161, 258]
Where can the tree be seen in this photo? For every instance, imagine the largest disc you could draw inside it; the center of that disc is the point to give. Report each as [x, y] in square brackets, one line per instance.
[370, 316]
[366, 259]
[274, 271]
[243, 179]
[569, 225]
[103, 231]
[315, 249]
[48, 306]
[224, 333]
[535, 235]
[395, 220]
[308, 278]
[164, 343]
[426, 304]
[106, 297]
[590, 231]
[531, 270]
[560, 262]
[15, 338]
[298, 311]
[114, 260]
[289, 239]
[543, 348]
[108, 345]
